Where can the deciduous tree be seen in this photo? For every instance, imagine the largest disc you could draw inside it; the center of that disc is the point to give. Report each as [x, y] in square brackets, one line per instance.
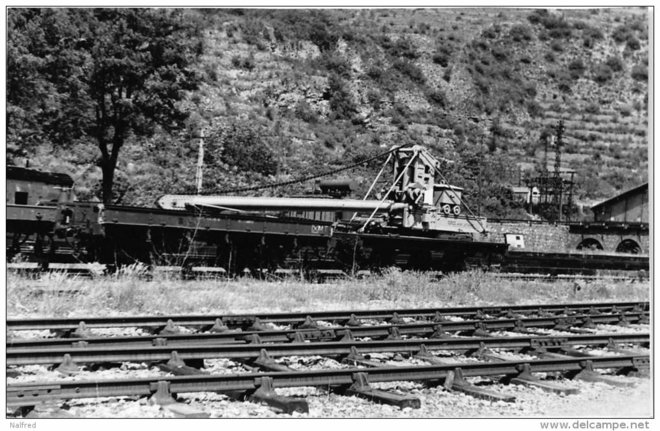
[101, 75]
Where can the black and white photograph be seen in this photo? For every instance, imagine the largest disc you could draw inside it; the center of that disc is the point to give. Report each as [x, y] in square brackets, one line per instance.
[220, 212]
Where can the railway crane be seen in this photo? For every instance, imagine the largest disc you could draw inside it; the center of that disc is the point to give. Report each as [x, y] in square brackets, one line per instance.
[416, 221]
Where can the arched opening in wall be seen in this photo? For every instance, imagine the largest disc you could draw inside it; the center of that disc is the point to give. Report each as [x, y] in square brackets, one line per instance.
[589, 244]
[629, 246]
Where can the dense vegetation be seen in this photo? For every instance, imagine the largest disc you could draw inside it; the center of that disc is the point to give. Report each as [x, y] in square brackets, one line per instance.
[281, 94]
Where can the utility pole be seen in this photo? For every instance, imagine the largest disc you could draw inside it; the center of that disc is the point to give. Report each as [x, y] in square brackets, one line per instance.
[558, 181]
[200, 162]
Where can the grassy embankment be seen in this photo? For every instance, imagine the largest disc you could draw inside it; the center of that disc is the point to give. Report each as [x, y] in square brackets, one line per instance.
[128, 294]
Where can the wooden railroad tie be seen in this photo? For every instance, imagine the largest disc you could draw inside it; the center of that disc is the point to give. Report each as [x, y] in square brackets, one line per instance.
[266, 394]
[456, 382]
[361, 388]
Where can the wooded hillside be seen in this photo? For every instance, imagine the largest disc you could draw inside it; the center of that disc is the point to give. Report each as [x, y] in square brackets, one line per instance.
[281, 94]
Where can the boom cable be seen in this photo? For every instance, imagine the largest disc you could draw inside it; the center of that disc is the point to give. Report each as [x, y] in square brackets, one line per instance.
[305, 179]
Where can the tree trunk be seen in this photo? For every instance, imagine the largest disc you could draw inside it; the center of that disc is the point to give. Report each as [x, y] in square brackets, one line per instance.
[108, 169]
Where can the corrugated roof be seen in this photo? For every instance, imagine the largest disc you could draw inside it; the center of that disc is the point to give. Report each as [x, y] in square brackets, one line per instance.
[25, 174]
[622, 195]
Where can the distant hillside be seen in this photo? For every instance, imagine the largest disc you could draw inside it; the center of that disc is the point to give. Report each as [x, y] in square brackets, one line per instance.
[298, 92]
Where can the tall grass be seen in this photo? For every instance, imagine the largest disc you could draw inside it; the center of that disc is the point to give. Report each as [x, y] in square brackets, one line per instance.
[129, 293]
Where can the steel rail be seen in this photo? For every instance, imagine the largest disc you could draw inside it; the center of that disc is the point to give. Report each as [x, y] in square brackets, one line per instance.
[34, 393]
[86, 355]
[293, 318]
[420, 329]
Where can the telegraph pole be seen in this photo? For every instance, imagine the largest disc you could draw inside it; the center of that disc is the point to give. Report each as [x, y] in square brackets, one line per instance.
[558, 181]
[200, 162]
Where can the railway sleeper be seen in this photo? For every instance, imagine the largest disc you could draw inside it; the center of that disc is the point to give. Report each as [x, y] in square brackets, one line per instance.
[180, 367]
[425, 355]
[588, 374]
[616, 348]
[641, 368]
[439, 332]
[456, 382]
[169, 329]
[258, 326]
[264, 362]
[355, 358]
[68, 367]
[487, 354]
[526, 378]
[81, 331]
[362, 389]
[163, 397]
[308, 323]
[266, 394]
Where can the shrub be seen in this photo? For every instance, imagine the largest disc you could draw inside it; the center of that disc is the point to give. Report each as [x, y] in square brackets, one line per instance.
[590, 36]
[592, 108]
[246, 63]
[525, 59]
[323, 36]
[337, 64]
[437, 97]
[500, 53]
[538, 16]
[549, 56]
[374, 98]
[491, 32]
[564, 86]
[588, 42]
[625, 110]
[520, 33]
[447, 75]
[534, 109]
[341, 102]
[244, 148]
[441, 59]
[557, 26]
[557, 46]
[576, 68]
[593, 33]
[400, 115]
[621, 34]
[560, 33]
[482, 84]
[442, 54]
[403, 48]
[615, 63]
[638, 26]
[375, 72]
[633, 43]
[579, 25]
[303, 111]
[602, 73]
[409, 69]
[640, 72]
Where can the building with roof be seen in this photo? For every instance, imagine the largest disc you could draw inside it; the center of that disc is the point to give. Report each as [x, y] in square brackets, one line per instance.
[630, 206]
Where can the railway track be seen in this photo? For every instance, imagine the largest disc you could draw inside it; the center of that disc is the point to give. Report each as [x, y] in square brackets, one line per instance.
[335, 333]
[349, 318]
[444, 352]
[120, 352]
[352, 381]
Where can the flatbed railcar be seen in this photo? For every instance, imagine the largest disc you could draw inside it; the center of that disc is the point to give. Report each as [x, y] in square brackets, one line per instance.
[420, 223]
